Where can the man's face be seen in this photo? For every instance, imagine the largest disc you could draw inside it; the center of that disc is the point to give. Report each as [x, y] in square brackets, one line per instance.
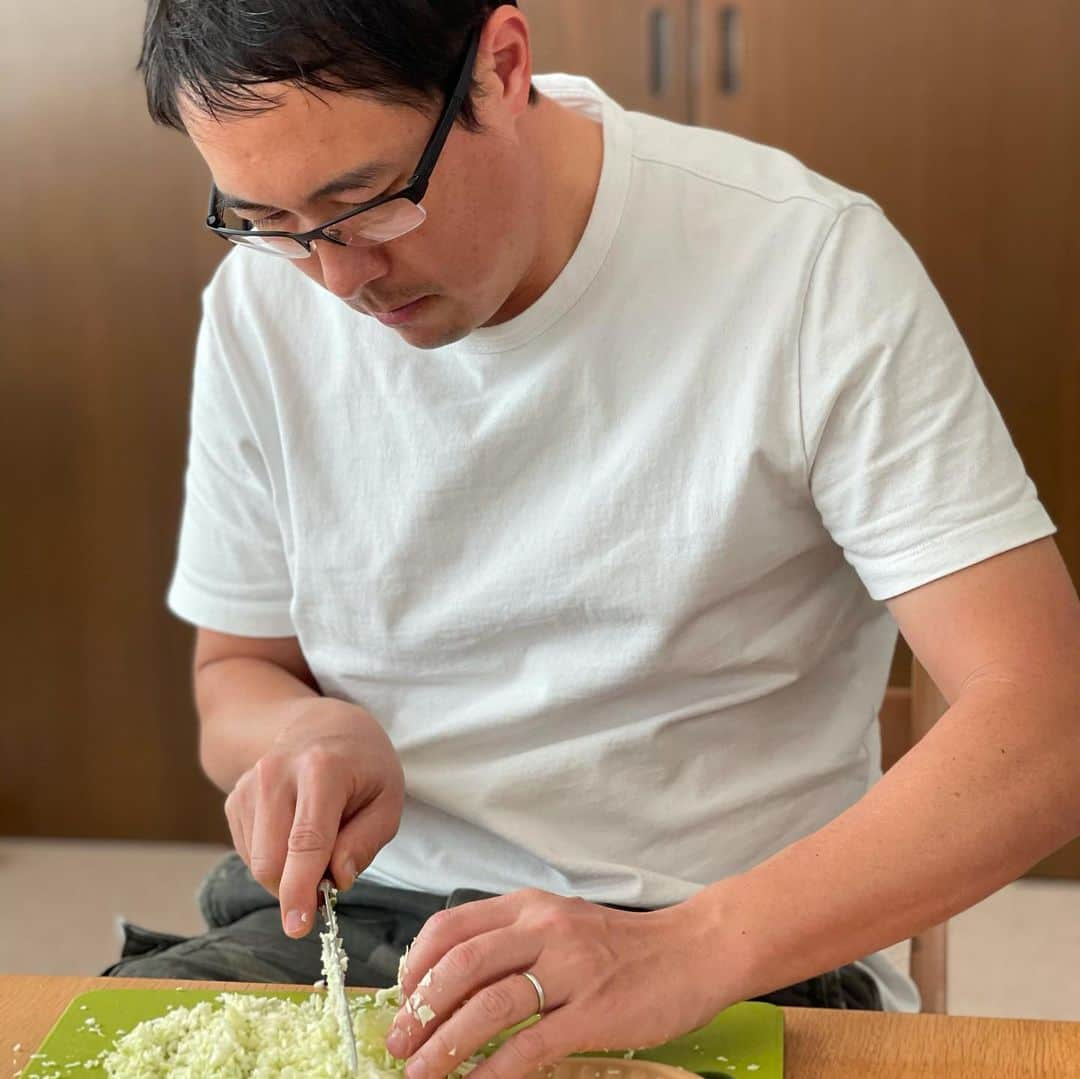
[434, 285]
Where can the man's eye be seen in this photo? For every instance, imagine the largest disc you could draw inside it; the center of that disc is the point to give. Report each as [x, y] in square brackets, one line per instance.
[266, 222]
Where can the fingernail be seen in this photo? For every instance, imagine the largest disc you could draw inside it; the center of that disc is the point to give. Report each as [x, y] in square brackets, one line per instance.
[294, 921]
[350, 871]
[395, 1042]
[415, 1069]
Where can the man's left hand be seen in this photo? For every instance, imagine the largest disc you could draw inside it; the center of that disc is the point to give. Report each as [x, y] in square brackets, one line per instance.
[612, 979]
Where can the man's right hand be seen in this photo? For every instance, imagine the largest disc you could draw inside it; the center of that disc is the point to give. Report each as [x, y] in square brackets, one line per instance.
[328, 793]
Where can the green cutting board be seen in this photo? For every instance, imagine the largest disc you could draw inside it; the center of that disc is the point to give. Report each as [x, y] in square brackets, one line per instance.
[737, 1039]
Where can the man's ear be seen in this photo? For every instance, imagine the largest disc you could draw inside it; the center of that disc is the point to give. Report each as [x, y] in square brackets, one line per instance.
[504, 63]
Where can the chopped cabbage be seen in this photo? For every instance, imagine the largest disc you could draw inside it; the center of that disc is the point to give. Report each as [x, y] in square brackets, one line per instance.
[247, 1036]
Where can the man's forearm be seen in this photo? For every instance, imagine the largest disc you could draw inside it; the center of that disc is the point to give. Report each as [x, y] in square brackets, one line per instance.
[987, 793]
[243, 705]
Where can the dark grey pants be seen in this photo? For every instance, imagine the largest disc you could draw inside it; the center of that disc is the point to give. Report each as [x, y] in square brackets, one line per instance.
[244, 942]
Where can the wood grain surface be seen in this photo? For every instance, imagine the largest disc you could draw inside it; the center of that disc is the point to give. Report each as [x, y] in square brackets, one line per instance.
[818, 1044]
[614, 42]
[104, 257]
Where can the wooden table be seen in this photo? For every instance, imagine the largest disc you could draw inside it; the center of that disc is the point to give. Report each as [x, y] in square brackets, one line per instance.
[818, 1044]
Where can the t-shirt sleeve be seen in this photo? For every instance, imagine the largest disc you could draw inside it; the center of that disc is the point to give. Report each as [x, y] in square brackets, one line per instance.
[910, 463]
[231, 572]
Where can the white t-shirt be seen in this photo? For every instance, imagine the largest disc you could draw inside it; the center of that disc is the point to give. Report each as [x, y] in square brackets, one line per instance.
[610, 574]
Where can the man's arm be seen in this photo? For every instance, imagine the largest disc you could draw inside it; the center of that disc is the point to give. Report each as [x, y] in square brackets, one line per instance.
[986, 794]
[313, 782]
[247, 690]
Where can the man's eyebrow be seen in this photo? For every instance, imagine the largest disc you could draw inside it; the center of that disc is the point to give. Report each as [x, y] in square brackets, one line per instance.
[361, 176]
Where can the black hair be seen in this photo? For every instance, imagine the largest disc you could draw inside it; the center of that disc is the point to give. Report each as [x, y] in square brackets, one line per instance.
[218, 53]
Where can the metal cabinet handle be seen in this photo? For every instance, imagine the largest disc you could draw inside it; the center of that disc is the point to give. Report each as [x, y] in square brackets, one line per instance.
[659, 51]
[729, 72]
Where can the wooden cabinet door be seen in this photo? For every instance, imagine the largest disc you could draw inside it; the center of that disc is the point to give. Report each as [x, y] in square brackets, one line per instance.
[635, 50]
[963, 121]
[842, 84]
[107, 256]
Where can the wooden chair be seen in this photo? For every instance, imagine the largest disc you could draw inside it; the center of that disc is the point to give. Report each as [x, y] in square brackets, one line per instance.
[906, 715]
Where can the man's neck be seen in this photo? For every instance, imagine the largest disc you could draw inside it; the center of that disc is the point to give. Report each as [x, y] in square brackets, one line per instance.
[570, 153]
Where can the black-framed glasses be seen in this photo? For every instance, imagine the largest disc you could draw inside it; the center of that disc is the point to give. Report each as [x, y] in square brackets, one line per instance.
[373, 222]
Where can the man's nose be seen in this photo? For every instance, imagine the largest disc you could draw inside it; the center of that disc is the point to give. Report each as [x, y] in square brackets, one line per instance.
[346, 270]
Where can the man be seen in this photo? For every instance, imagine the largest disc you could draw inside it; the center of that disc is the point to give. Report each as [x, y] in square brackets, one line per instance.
[551, 507]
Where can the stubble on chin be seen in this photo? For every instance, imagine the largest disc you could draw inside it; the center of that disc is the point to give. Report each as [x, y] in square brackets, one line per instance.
[454, 325]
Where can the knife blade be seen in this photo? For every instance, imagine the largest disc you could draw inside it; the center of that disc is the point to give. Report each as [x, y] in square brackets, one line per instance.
[335, 962]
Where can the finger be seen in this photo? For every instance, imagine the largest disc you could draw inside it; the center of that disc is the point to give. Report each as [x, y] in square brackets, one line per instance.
[272, 819]
[447, 928]
[491, 1011]
[319, 802]
[557, 1035]
[361, 837]
[465, 970]
[235, 812]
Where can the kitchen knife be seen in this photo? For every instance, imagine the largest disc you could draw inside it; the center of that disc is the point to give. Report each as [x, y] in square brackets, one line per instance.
[335, 963]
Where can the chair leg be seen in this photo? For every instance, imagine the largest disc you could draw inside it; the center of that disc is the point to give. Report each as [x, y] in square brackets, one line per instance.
[928, 968]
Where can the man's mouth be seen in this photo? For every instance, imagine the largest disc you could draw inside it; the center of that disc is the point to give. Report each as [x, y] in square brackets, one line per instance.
[396, 316]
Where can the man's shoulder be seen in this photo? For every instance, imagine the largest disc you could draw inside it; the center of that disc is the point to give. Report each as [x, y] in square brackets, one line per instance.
[264, 305]
[245, 282]
[262, 317]
[730, 168]
[736, 168]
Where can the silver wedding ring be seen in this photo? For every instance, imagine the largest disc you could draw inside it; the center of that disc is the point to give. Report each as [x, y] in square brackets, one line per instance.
[540, 1001]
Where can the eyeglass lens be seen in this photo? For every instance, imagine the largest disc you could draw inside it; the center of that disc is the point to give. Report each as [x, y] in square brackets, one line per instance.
[375, 226]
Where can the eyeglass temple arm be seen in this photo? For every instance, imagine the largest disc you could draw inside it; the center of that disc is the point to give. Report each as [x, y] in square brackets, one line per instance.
[449, 117]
